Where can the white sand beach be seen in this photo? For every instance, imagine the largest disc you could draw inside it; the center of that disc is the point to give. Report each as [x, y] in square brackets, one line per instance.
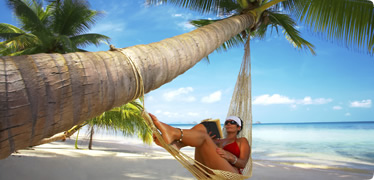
[110, 160]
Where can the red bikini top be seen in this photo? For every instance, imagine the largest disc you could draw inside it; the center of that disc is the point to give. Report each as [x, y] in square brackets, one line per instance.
[233, 148]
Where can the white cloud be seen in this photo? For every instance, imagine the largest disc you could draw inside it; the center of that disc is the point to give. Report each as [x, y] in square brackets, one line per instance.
[308, 100]
[322, 101]
[186, 26]
[337, 108]
[347, 114]
[361, 104]
[177, 15]
[267, 99]
[214, 97]
[180, 94]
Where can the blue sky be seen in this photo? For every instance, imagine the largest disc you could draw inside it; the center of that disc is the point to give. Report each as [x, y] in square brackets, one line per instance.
[287, 85]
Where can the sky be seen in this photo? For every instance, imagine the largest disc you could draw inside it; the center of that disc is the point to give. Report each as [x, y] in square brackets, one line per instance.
[288, 85]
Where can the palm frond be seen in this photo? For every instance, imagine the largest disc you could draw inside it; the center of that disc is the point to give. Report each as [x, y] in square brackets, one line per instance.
[8, 28]
[65, 45]
[20, 41]
[5, 36]
[49, 28]
[290, 31]
[30, 50]
[73, 17]
[84, 40]
[261, 31]
[217, 7]
[15, 40]
[28, 17]
[347, 21]
[126, 119]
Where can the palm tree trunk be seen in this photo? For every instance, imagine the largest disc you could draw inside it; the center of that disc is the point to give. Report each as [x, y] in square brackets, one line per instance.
[44, 94]
[91, 136]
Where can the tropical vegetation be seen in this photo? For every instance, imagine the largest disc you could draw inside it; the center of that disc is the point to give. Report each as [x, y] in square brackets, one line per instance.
[58, 27]
[126, 119]
[347, 21]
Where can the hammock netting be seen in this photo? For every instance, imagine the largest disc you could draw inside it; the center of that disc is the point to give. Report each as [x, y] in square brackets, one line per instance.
[240, 106]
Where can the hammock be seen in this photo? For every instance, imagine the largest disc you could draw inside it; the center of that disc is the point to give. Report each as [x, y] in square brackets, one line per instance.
[240, 106]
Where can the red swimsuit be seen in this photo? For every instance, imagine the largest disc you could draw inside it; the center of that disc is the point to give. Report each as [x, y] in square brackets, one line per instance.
[234, 149]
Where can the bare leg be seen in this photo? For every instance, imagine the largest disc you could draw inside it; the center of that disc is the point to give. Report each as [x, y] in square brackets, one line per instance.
[197, 137]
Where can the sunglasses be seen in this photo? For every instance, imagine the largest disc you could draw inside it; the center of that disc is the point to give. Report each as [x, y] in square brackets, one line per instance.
[231, 122]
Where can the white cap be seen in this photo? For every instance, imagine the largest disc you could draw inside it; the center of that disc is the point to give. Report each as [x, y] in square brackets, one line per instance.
[235, 118]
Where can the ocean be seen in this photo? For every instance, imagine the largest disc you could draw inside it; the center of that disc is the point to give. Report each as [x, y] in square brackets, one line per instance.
[330, 144]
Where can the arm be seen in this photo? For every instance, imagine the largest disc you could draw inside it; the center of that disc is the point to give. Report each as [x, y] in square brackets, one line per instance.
[245, 151]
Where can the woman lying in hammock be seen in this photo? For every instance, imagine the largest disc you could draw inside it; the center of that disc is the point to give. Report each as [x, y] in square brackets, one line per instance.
[228, 154]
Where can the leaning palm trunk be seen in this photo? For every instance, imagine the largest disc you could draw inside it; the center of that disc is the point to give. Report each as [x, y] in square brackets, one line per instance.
[44, 94]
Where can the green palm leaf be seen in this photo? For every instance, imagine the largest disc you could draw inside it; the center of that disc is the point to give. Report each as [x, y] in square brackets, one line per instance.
[347, 21]
[9, 31]
[15, 40]
[58, 27]
[27, 12]
[126, 119]
[217, 7]
[73, 17]
[291, 33]
[84, 40]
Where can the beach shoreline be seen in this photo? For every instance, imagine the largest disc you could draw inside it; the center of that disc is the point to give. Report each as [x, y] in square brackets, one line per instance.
[110, 159]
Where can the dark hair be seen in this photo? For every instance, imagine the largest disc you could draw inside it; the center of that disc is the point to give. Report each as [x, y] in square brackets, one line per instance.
[241, 122]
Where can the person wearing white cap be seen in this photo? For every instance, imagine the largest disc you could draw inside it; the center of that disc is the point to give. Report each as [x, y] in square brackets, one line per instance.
[228, 154]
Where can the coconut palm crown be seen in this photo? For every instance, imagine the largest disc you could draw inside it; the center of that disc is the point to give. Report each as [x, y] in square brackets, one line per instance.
[58, 27]
[348, 21]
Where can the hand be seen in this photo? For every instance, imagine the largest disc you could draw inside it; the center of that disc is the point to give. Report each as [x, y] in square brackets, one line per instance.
[211, 136]
[224, 154]
[216, 141]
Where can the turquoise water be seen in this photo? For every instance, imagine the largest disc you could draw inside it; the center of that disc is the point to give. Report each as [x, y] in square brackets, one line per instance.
[338, 144]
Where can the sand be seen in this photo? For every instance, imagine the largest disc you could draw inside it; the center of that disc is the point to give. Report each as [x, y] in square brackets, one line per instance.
[110, 160]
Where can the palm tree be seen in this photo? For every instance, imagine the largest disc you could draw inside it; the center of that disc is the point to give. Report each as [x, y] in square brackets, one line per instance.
[63, 90]
[59, 27]
[126, 119]
[350, 21]
[63, 22]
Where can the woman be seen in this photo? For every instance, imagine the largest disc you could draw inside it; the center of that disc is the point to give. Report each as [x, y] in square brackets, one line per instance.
[228, 154]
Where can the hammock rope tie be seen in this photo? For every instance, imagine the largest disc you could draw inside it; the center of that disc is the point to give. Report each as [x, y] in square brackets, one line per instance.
[199, 170]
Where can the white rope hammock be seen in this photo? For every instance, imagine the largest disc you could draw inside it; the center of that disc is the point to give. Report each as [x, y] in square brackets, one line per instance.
[240, 106]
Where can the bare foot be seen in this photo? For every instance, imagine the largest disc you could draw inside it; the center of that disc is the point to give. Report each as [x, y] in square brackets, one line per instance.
[177, 144]
[169, 133]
